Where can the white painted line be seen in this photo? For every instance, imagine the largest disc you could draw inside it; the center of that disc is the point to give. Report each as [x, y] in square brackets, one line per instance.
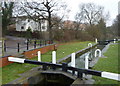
[111, 76]
[54, 57]
[13, 59]
[39, 56]
[73, 59]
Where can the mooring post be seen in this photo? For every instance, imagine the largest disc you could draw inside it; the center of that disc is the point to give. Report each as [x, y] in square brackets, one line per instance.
[64, 67]
[86, 62]
[54, 57]
[90, 44]
[100, 53]
[114, 40]
[96, 40]
[73, 59]
[39, 56]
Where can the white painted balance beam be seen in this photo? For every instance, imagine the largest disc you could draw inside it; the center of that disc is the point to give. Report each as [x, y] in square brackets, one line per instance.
[111, 75]
[13, 59]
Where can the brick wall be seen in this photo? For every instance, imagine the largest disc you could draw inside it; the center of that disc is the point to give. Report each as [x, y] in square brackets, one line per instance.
[28, 54]
[4, 61]
[33, 53]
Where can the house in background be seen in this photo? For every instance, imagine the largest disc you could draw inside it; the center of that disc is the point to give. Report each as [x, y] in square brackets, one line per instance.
[23, 23]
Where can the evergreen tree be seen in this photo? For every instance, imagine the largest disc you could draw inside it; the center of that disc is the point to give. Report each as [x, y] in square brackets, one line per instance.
[7, 9]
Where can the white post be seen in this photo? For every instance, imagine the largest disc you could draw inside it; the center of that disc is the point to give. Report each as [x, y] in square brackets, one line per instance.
[39, 56]
[114, 40]
[73, 59]
[86, 62]
[99, 51]
[54, 57]
[90, 44]
[96, 40]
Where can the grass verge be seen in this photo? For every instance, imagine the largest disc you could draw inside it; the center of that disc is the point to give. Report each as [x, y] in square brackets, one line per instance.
[109, 64]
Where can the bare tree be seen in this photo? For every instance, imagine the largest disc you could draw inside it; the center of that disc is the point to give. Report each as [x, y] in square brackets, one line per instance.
[90, 13]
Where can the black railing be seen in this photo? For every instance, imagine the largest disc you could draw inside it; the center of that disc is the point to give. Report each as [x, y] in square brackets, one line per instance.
[27, 45]
[105, 42]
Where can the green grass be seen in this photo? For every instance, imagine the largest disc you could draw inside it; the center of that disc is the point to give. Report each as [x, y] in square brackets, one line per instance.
[12, 71]
[109, 64]
[64, 50]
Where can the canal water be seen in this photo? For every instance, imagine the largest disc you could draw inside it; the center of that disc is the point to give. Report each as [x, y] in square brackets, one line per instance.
[80, 60]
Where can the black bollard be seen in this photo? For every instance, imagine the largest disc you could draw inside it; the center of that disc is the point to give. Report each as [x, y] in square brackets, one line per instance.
[80, 74]
[4, 47]
[18, 47]
[34, 44]
[64, 67]
[27, 46]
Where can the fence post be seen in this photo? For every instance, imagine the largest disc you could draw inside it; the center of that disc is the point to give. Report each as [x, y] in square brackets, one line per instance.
[27, 46]
[100, 53]
[45, 43]
[64, 67]
[54, 57]
[34, 44]
[73, 59]
[39, 56]
[4, 47]
[40, 42]
[18, 47]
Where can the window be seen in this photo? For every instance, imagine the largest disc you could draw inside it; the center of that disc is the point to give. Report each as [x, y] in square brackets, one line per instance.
[22, 27]
[43, 27]
[43, 21]
[28, 20]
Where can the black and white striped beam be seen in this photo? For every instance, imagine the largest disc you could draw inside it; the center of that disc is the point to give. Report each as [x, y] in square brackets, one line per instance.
[93, 72]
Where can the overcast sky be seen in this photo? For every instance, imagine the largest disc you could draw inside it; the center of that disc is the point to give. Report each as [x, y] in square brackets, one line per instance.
[109, 5]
